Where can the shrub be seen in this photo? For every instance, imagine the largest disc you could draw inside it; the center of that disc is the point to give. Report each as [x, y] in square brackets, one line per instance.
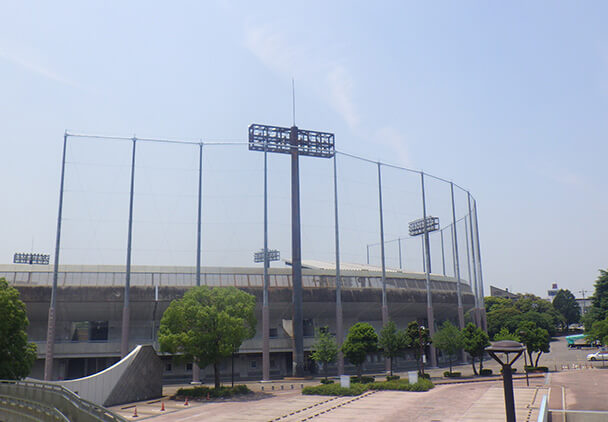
[392, 377]
[326, 381]
[425, 376]
[222, 392]
[363, 380]
[449, 374]
[485, 372]
[335, 390]
[513, 370]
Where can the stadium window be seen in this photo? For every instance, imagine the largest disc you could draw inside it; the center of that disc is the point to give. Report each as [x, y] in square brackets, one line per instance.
[308, 328]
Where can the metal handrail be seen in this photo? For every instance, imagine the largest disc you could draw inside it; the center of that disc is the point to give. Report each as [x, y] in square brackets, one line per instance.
[100, 413]
[51, 411]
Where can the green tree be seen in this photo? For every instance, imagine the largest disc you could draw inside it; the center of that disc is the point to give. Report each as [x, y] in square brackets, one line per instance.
[360, 341]
[599, 331]
[449, 340]
[599, 301]
[493, 303]
[535, 339]
[16, 355]
[507, 317]
[475, 342]
[392, 342]
[325, 349]
[564, 302]
[504, 334]
[207, 325]
[418, 338]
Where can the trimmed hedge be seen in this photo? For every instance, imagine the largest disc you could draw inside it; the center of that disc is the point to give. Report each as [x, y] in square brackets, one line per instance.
[449, 374]
[363, 380]
[335, 390]
[222, 392]
[392, 377]
[485, 372]
[402, 385]
[326, 381]
[357, 388]
[536, 369]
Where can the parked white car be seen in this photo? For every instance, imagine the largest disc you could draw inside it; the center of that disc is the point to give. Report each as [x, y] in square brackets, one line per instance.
[601, 355]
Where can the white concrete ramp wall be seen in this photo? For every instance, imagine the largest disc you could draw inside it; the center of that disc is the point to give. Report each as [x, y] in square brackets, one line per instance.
[138, 376]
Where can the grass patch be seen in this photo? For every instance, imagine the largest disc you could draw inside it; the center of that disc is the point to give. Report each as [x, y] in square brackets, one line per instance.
[222, 392]
[335, 390]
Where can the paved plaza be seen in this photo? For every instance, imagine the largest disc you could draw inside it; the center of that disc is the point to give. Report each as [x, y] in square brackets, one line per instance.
[575, 385]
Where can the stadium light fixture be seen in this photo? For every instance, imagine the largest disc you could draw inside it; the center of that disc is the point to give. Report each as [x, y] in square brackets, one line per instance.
[417, 227]
[31, 258]
[273, 255]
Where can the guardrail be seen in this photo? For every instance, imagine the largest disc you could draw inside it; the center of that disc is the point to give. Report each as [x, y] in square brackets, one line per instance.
[49, 395]
[543, 413]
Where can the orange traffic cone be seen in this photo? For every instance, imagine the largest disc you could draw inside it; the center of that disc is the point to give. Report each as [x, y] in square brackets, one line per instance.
[186, 402]
[162, 406]
[135, 412]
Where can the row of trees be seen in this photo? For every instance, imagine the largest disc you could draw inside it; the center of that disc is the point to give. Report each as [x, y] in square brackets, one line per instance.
[362, 340]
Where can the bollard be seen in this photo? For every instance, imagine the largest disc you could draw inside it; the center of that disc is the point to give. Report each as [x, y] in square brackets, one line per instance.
[135, 412]
[292, 386]
[282, 386]
[162, 406]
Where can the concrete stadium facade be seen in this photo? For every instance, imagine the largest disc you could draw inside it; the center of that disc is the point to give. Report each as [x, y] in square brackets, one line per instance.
[90, 304]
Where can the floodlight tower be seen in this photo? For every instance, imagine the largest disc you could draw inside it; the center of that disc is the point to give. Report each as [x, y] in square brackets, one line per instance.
[295, 142]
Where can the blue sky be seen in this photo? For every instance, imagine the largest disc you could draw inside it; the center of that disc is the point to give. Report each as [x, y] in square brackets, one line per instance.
[506, 99]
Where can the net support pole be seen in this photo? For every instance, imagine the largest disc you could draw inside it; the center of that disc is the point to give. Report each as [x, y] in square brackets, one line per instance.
[265, 306]
[124, 343]
[456, 259]
[196, 370]
[296, 259]
[385, 317]
[484, 322]
[339, 315]
[51, 324]
[427, 275]
[477, 316]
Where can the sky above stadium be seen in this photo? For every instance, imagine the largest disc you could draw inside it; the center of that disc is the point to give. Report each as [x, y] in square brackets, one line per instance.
[508, 100]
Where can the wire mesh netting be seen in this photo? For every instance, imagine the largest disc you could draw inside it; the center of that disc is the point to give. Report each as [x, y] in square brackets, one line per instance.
[165, 208]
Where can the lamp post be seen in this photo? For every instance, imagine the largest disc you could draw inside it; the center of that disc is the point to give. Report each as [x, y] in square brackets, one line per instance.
[506, 347]
[521, 333]
[422, 355]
